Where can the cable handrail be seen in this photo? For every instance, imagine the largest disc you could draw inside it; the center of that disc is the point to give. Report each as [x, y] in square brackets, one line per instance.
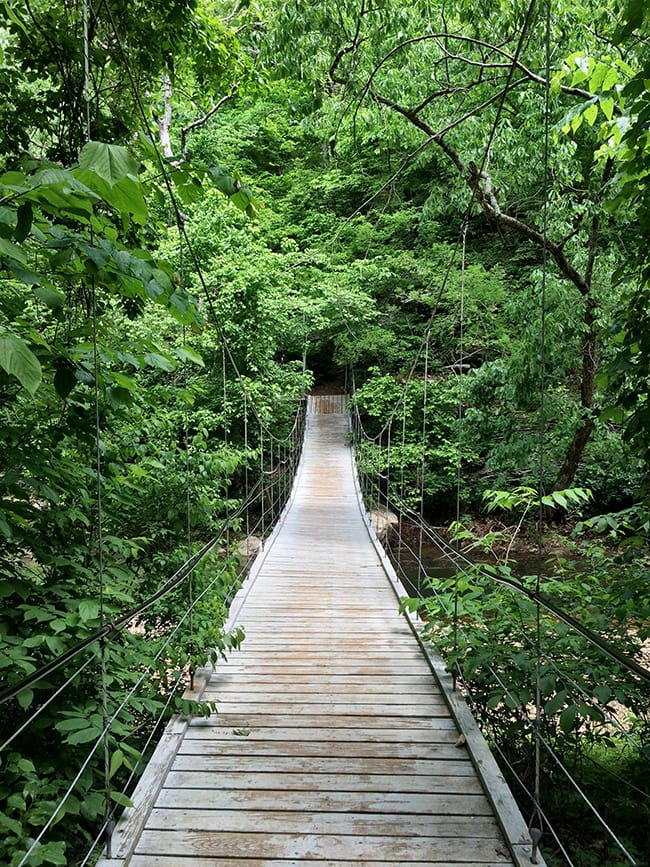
[597, 640]
[375, 483]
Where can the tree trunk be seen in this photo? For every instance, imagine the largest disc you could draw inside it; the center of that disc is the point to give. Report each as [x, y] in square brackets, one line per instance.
[165, 121]
[573, 455]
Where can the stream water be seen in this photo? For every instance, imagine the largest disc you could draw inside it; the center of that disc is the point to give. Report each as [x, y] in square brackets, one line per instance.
[436, 565]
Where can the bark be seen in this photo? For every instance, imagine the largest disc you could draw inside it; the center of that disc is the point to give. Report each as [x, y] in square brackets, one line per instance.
[164, 122]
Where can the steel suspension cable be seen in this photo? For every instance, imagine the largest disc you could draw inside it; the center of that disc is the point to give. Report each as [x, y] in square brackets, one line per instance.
[423, 445]
[86, 13]
[460, 382]
[535, 824]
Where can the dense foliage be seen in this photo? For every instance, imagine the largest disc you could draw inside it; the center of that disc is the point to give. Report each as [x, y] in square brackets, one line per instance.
[406, 188]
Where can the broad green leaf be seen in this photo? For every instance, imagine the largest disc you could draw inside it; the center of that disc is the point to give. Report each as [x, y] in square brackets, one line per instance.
[53, 853]
[591, 113]
[121, 799]
[64, 377]
[49, 296]
[88, 610]
[84, 736]
[25, 698]
[118, 396]
[223, 181]
[124, 381]
[603, 693]
[576, 123]
[26, 277]
[117, 760]
[154, 359]
[19, 361]
[111, 162]
[554, 704]
[568, 718]
[607, 107]
[24, 222]
[597, 76]
[12, 251]
[11, 825]
[126, 195]
[186, 353]
[72, 724]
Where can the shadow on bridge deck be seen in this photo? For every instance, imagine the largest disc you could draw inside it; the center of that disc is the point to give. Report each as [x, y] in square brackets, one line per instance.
[335, 741]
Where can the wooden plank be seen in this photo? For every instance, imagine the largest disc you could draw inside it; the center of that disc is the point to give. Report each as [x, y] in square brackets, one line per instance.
[361, 765]
[245, 746]
[254, 720]
[309, 702]
[194, 861]
[323, 782]
[432, 731]
[326, 707]
[342, 847]
[253, 679]
[251, 820]
[429, 804]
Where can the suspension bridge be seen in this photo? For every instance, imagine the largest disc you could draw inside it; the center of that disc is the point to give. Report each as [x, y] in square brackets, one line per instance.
[338, 738]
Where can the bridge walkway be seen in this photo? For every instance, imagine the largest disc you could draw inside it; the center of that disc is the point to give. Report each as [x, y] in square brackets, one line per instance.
[334, 743]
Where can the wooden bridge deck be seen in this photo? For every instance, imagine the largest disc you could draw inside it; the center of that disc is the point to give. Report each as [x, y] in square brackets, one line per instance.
[333, 743]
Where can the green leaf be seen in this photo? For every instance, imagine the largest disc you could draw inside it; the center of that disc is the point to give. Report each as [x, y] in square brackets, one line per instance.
[223, 181]
[88, 610]
[610, 79]
[607, 107]
[24, 222]
[12, 825]
[554, 704]
[25, 698]
[603, 693]
[118, 396]
[568, 718]
[591, 113]
[72, 724]
[64, 377]
[26, 277]
[49, 296]
[186, 353]
[121, 799]
[18, 360]
[111, 162]
[84, 736]
[12, 251]
[53, 853]
[117, 760]
[154, 359]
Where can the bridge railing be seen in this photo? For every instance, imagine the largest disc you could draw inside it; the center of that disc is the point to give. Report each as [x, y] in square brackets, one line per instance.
[144, 657]
[547, 688]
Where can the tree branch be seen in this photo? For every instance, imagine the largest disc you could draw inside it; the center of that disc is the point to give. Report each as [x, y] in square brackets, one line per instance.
[348, 49]
[441, 40]
[481, 185]
[206, 117]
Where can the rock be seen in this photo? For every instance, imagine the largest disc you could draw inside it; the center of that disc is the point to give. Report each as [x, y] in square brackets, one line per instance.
[381, 521]
[249, 546]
